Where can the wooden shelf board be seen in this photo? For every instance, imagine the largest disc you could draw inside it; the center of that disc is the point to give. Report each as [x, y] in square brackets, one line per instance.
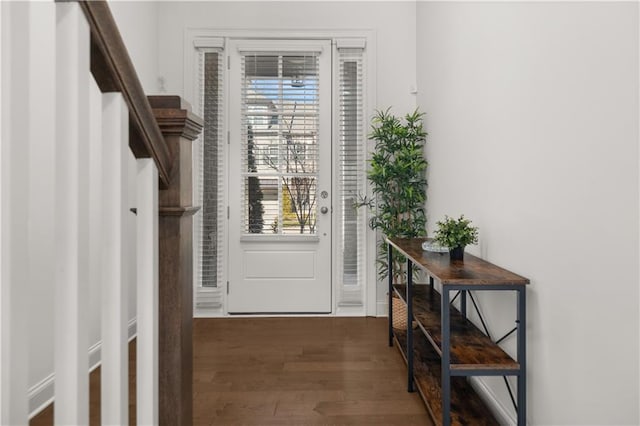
[466, 406]
[470, 348]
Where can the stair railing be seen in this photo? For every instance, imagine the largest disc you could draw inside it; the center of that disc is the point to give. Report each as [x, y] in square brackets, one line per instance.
[74, 120]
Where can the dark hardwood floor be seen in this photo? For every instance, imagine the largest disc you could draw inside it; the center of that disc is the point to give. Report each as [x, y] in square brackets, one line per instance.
[45, 417]
[295, 371]
[300, 371]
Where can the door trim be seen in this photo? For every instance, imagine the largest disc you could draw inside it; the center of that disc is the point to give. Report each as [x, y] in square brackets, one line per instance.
[373, 306]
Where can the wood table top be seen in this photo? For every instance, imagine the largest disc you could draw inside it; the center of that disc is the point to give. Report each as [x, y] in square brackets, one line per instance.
[470, 271]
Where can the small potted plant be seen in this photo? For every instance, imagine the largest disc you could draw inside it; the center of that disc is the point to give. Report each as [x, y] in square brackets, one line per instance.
[456, 234]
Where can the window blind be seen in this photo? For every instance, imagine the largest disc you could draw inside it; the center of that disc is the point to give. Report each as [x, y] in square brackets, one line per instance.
[210, 178]
[279, 128]
[351, 174]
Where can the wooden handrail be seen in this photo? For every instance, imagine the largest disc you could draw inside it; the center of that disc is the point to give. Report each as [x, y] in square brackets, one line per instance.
[114, 72]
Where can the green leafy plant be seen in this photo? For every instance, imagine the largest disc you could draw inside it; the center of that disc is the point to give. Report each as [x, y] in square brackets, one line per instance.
[454, 233]
[398, 180]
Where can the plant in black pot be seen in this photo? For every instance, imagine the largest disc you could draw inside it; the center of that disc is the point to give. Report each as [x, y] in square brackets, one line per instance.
[397, 177]
[456, 234]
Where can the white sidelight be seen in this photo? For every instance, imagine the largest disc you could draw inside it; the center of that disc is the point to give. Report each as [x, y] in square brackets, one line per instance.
[114, 371]
[147, 293]
[350, 182]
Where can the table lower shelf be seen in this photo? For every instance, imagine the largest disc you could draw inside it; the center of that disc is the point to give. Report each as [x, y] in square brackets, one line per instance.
[466, 406]
[470, 348]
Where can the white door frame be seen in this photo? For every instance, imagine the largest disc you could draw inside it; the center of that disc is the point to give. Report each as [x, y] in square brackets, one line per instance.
[374, 303]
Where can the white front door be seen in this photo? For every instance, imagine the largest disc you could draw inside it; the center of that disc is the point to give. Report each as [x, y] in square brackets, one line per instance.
[280, 179]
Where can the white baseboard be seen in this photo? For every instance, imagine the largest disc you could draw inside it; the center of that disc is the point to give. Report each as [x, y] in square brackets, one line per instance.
[95, 356]
[132, 329]
[350, 311]
[503, 415]
[42, 394]
[382, 309]
[208, 313]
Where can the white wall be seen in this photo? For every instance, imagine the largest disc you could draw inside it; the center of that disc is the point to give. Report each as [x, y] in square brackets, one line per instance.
[532, 113]
[393, 23]
[138, 23]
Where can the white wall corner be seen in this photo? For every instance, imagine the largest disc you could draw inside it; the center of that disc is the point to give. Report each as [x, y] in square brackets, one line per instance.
[42, 394]
[382, 309]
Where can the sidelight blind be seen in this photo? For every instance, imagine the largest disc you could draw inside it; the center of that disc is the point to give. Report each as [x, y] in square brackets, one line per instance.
[351, 172]
[279, 127]
[209, 168]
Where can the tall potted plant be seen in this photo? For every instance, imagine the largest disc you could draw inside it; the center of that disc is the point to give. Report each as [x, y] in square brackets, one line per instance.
[398, 180]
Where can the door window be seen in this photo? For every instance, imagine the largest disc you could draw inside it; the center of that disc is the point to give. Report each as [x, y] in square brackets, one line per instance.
[280, 134]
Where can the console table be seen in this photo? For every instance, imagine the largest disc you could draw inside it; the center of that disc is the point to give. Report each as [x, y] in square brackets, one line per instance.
[447, 348]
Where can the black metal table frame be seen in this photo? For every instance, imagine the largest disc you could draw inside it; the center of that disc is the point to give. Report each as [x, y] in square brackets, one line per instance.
[446, 337]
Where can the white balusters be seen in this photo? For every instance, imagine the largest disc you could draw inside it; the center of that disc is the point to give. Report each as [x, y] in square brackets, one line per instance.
[95, 224]
[114, 372]
[71, 219]
[147, 294]
[14, 200]
[5, 117]
[64, 247]
[42, 196]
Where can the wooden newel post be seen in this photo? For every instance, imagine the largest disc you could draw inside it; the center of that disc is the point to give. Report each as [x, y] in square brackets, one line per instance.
[179, 127]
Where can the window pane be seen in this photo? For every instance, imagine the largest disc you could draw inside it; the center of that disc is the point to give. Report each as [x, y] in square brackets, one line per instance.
[261, 66]
[280, 143]
[299, 205]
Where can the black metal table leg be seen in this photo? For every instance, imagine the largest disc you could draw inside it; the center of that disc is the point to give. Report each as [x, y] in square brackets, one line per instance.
[390, 273]
[522, 357]
[446, 358]
[409, 326]
[463, 303]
